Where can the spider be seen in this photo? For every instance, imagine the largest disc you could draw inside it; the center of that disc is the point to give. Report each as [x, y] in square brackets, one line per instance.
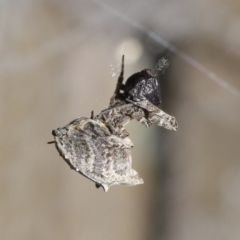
[99, 147]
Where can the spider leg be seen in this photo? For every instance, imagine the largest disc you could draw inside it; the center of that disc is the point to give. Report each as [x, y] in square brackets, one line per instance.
[119, 85]
[156, 115]
[144, 104]
[120, 78]
[141, 115]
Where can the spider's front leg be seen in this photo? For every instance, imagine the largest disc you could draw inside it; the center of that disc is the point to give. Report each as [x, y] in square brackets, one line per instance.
[119, 85]
[130, 112]
[141, 116]
[156, 116]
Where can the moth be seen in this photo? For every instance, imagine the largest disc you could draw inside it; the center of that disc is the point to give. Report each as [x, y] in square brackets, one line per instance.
[99, 147]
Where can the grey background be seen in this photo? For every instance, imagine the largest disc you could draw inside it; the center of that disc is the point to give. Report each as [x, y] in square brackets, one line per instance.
[55, 65]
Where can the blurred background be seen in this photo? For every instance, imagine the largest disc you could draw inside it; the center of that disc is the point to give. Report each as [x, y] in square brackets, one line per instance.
[60, 59]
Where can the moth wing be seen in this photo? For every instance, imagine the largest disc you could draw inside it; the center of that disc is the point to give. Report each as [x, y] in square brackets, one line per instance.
[89, 148]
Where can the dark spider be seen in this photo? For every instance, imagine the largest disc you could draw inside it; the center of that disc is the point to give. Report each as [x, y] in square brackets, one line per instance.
[142, 85]
[99, 147]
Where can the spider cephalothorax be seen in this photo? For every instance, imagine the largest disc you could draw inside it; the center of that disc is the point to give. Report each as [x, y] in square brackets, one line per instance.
[99, 147]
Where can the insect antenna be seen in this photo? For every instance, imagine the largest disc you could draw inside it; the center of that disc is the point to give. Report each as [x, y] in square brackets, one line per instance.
[92, 114]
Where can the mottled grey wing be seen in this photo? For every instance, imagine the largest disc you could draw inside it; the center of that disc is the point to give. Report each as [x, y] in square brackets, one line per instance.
[88, 146]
